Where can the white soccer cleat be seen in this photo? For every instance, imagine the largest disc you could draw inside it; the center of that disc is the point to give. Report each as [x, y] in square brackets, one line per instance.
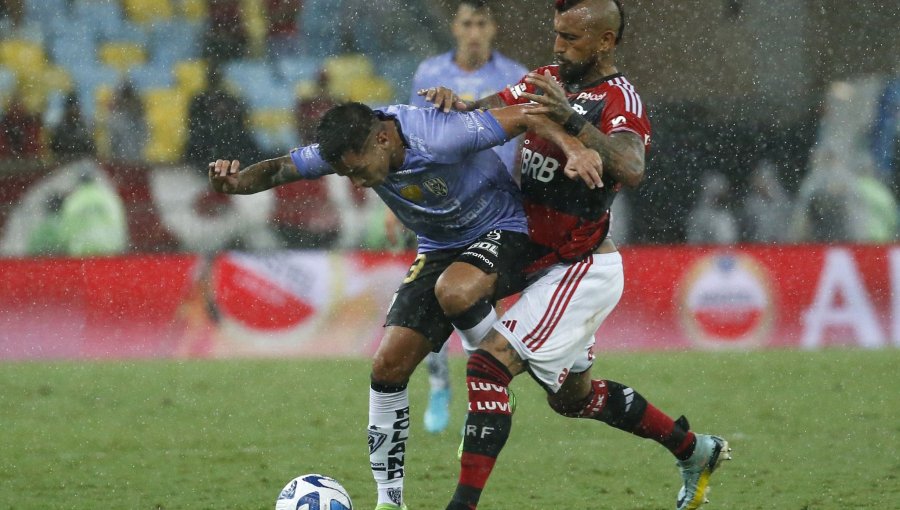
[709, 452]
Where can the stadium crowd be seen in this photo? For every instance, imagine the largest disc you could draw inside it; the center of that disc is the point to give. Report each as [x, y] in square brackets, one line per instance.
[170, 82]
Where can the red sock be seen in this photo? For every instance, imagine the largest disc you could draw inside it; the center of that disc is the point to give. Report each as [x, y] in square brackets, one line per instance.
[487, 426]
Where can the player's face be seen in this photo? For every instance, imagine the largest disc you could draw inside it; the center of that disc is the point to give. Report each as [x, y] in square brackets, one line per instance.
[368, 168]
[578, 47]
[474, 30]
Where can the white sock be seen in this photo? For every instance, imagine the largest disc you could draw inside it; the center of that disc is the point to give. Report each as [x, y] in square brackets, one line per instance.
[472, 337]
[388, 431]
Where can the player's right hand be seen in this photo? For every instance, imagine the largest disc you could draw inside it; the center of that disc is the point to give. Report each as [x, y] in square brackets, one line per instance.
[223, 175]
[445, 99]
[585, 164]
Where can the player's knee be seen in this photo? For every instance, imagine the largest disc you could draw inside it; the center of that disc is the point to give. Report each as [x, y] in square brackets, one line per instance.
[390, 370]
[455, 299]
[564, 407]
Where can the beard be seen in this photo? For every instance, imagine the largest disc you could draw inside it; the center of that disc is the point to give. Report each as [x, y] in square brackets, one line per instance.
[573, 72]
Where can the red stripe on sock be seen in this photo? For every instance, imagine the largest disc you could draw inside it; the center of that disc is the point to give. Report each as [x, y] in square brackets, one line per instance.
[475, 469]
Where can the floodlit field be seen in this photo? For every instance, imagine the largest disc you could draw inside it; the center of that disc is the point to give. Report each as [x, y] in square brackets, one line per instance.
[810, 430]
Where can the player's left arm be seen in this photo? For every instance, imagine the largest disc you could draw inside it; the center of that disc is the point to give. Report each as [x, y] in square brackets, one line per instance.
[623, 152]
[226, 176]
[582, 161]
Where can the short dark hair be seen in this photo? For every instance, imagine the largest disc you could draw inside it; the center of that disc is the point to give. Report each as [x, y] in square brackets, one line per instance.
[344, 128]
[475, 4]
[565, 5]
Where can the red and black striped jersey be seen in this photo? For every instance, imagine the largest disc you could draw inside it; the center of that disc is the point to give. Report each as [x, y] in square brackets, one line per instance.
[566, 219]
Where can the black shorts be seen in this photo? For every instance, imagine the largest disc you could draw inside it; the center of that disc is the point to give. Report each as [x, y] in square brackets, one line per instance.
[415, 306]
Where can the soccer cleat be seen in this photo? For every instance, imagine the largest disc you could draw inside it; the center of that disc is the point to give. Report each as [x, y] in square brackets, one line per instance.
[390, 506]
[512, 409]
[696, 470]
[437, 415]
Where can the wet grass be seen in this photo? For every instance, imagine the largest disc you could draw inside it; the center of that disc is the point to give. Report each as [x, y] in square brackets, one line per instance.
[810, 431]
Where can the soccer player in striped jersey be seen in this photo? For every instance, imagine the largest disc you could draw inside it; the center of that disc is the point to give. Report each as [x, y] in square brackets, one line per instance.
[576, 276]
[472, 69]
[436, 173]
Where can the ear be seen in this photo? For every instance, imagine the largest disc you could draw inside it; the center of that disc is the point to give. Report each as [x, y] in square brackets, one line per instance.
[608, 40]
[382, 138]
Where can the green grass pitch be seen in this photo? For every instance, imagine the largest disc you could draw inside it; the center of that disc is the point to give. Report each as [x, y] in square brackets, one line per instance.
[810, 431]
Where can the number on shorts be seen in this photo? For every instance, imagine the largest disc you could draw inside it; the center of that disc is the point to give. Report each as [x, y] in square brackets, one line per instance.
[414, 269]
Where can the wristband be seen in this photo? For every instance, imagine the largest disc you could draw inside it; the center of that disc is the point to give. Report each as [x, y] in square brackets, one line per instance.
[574, 124]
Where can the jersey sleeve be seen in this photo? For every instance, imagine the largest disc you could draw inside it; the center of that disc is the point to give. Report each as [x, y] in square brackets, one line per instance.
[512, 94]
[625, 111]
[452, 137]
[309, 162]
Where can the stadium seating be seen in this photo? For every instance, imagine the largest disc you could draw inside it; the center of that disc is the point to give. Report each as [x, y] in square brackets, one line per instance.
[273, 130]
[23, 58]
[190, 76]
[90, 46]
[121, 56]
[144, 12]
[167, 119]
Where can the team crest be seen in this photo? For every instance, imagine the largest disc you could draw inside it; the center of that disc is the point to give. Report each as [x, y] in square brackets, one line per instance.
[376, 439]
[437, 186]
[412, 193]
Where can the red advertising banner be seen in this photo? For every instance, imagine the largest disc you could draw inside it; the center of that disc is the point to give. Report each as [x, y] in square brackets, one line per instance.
[318, 303]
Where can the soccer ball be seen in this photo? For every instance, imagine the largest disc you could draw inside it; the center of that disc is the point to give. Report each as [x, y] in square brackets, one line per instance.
[313, 492]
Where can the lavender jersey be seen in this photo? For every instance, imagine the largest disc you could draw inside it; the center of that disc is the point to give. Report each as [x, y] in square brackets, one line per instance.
[450, 190]
[494, 75]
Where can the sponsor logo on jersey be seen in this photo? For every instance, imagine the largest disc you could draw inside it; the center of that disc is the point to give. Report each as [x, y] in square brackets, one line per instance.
[618, 121]
[516, 90]
[726, 301]
[536, 166]
[437, 186]
[411, 192]
[590, 96]
[579, 109]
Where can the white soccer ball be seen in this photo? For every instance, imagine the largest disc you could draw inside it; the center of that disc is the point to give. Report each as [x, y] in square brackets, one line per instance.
[313, 492]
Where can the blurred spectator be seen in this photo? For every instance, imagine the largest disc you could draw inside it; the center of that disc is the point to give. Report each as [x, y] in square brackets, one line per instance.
[14, 25]
[218, 126]
[310, 108]
[93, 219]
[226, 35]
[879, 208]
[710, 221]
[21, 132]
[766, 206]
[47, 239]
[822, 212]
[127, 125]
[473, 68]
[72, 138]
[332, 27]
[283, 34]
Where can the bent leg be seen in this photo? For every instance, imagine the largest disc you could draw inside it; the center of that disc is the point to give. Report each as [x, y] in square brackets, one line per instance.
[621, 407]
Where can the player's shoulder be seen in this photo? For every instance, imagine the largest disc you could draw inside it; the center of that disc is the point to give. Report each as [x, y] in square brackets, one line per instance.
[508, 65]
[620, 89]
[436, 64]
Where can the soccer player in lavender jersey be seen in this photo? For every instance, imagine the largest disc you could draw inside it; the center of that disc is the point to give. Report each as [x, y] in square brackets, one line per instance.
[472, 69]
[576, 276]
[433, 171]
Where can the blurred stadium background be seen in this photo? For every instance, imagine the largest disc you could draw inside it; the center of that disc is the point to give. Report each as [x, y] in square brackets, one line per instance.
[768, 220]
